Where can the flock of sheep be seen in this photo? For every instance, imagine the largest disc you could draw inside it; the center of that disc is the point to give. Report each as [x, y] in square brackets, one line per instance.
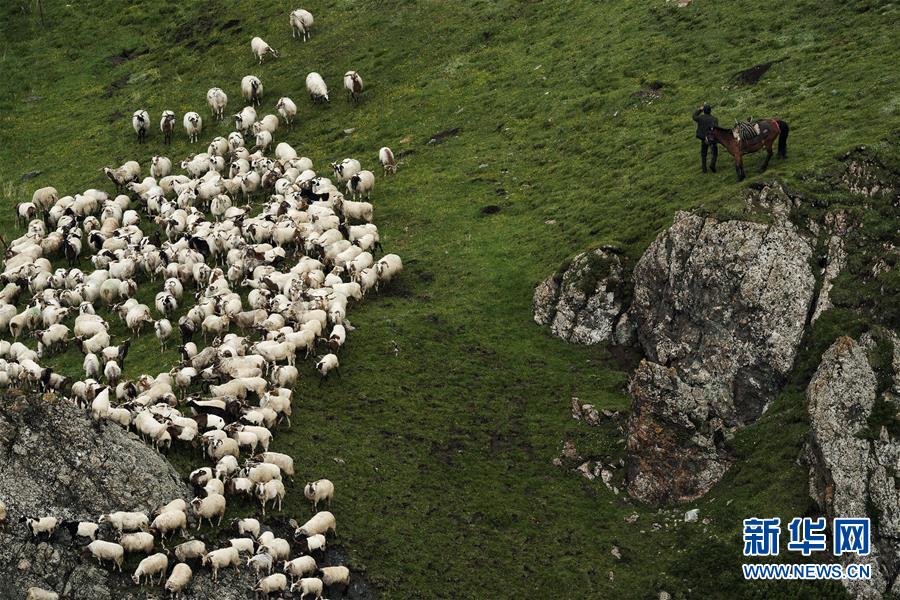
[300, 262]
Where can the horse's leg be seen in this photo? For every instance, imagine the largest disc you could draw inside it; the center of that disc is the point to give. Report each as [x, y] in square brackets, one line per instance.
[739, 166]
[768, 155]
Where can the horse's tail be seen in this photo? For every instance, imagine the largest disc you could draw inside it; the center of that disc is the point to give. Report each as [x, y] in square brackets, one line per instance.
[782, 138]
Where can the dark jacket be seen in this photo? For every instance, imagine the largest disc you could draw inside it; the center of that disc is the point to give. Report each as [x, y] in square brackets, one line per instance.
[704, 123]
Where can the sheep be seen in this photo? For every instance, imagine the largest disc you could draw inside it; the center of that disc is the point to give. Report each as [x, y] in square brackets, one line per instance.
[353, 83]
[346, 169]
[140, 121]
[150, 566]
[270, 584]
[361, 184]
[387, 160]
[175, 505]
[163, 330]
[36, 593]
[3, 514]
[168, 522]
[167, 125]
[287, 109]
[137, 542]
[122, 416]
[271, 490]
[103, 550]
[260, 48]
[221, 558]
[100, 405]
[160, 166]
[316, 87]
[318, 491]
[321, 522]
[279, 548]
[308, 545]
[248, 525]
[252, 89]
[217, 101]
[326, 364]
[226, 467]
[45, 525]
[308, 585]
[193, 125]
[126, 521]
[261, 562]
[244, 120]
[243, 544]
[44, 198]
[112, 371]
[264, 472]
[301, 23]
[209, 507]
[263, 139]
[190, 550]
[358, 211]
[179, 578]
[300, 566]
[388, 267]
[335, 576]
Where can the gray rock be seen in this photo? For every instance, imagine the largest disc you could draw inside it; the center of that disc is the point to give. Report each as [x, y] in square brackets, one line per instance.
[852, 474]
[692, 515]
[582, 303]
[719, 309]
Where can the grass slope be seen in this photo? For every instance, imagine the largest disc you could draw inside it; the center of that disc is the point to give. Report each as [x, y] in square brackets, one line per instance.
[453, 402]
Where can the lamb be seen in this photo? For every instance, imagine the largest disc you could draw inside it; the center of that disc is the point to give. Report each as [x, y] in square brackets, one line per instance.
[217, 101]
[316, 87]
[308, 585]
[287, 109]
[209, 507]
[300, 566]
[328, 363]
[387, 160]
[126, 521]
[261, 48]
[140, 121]
[168, 522]
[167, 125]
[103, 550]
[335, 576]
[353, 83]
[361, 184]
[45, 525]
[36, 593]
[181, 576]
[137, 542]
[318, 491]
[322, 522]
[301, 23]
[252, 89]
[270, 584]
[193, 125]
[151, 566]
[190, 550]
[220, 559]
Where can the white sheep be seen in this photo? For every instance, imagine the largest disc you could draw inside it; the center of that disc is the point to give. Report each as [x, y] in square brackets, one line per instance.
[346, 169]
[45, 197]
[301, 23]
[339, 575]
[328, 363]
[179, 578]
[387, 160]
[388, 267]
[248, 525]
[279, 548]
[252, 89]
[125, 521]
[103, 550]
[361, 184]
[322, 522]
[353, 83]
[45, 525]
[163, 329]
[190, 550]
[209, 507]
[36, 593]
[167, 125]
[317, 491]
[151, 566]
[140, 121]
[271, 490]
[217, 101]
[270, 584]
[308, 585]
[300, 566]
[261, 562]
[244, 120]
[137, 542]
[261, 48]
[168, 522]
[287, 109]
[243, 544]
[193, 125]
[160, 166]
[112, 371]
[316, 87]
[220, 559]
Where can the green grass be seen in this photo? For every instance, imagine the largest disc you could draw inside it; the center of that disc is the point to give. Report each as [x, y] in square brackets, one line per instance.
[453, 402]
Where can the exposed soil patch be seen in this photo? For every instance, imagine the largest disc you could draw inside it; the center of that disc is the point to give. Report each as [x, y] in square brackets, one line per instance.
[440, 137]
[753, 74]
[490, 209]
[30, 175]
[126, 55]
[191, 32]
[115, 86]
[113, 117]
[649, 92]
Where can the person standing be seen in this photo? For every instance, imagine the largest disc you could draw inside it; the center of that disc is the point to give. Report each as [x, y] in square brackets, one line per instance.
[705, 121]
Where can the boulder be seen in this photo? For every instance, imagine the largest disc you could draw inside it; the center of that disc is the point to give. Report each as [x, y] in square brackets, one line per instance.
[719, 309]
[582, 302]
[852, 467]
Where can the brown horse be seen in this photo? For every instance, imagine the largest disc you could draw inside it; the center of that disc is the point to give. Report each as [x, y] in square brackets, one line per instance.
[770, 130]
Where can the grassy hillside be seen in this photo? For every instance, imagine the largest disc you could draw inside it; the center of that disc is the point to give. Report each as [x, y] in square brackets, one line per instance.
[574, 119]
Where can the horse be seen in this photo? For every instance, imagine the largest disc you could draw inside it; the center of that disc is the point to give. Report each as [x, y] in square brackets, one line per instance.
[770, 130]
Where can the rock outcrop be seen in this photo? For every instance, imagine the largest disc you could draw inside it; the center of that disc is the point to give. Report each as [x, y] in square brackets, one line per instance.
[853, 468]
[55, 461]
[582, 302]
[719, 309]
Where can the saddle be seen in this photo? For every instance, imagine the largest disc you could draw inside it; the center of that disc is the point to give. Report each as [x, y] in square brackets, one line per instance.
[747, 131]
